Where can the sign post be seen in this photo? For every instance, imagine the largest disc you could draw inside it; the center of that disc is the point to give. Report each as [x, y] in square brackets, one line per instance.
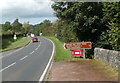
[78, 45]
[84, 53]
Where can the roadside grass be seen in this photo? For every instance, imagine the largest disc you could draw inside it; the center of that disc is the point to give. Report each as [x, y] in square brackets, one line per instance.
[9, 44]
[61, 53]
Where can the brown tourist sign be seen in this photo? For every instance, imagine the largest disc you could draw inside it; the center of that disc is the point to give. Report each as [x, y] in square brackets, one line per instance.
[78, 45]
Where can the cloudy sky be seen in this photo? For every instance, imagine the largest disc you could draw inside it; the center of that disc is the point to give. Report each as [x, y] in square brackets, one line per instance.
[34, 11]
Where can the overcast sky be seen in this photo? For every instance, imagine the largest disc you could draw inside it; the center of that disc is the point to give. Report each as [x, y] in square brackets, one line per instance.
[34, 11]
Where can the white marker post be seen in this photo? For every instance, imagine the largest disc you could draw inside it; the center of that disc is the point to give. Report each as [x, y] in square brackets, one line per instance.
[40, 34]
[15, 37]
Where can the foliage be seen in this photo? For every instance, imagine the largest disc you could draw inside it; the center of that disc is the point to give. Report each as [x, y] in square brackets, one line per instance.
[65, 33]
[7, 28]
[26, 27]
[82, 19]
[43, 27]
[111, 38]
[111, 12]
[10, 44]
[114, 36]
[17, 27]
[51, 30]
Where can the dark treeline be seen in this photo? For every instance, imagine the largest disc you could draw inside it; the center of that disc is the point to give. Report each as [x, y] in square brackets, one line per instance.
[9, 29]
[96, 22]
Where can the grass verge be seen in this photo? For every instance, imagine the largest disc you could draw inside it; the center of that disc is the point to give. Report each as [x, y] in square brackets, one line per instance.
[17, 44]
[62, 54]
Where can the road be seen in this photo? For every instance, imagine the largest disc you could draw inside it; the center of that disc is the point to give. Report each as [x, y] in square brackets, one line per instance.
[28, 63]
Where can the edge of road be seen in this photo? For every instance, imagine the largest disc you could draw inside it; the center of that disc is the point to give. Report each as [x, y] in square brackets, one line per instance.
[13, 50]
[42, 78]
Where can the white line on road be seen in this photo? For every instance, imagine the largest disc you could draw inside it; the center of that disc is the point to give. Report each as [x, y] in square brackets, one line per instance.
[46, 69]
[38, 46]
[8, 66]
[23, 57]
[36, 49]
[32, 52]
[15, 51]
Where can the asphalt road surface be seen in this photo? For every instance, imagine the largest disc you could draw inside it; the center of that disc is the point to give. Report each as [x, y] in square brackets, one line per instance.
[28, 63]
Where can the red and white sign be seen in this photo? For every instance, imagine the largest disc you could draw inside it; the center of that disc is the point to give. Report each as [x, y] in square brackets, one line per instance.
[76, 52]
[78, 45]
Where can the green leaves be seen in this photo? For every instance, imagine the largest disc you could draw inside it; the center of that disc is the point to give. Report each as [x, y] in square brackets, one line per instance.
[111, 18]
[80, 18]
[114, 35]
[7, 26]
[89, 21]
[26, 27]
[17, 27]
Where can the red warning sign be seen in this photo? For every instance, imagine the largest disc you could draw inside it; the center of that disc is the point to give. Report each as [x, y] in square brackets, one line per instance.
[76, 52]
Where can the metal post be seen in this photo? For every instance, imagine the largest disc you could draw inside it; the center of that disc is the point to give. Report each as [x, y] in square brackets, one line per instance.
[83, 53]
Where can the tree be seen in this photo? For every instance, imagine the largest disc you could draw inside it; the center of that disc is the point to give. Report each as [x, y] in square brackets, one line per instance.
[111, 38]
[114, 36]
[26, 27]
[17, 27]
[44, 27]
[6, 26]
[84, 19]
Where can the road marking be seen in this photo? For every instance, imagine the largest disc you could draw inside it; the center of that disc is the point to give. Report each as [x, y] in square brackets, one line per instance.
[36, 49]
[32, 52]
[8, 66]
[15, 50]
[45, 71]
[28, 44]
[23, 57]
[38, 46]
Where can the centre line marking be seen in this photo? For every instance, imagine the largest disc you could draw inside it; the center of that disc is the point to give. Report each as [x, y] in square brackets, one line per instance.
[8, 66]
[39, 44]
[32, 52]
[36, 48]
[23, 57]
